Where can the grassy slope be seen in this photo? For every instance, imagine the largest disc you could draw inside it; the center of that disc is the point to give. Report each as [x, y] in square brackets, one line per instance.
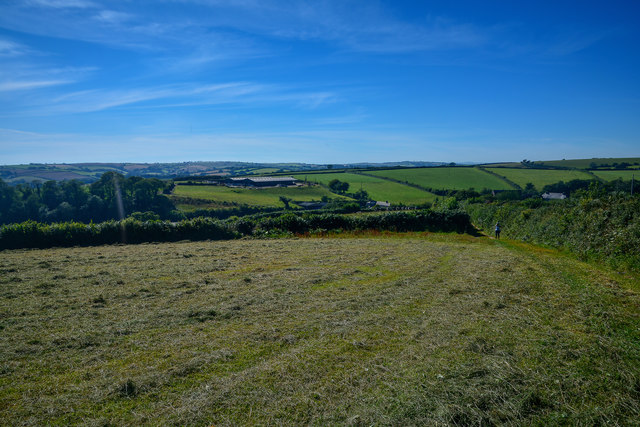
[539, 177]
[439, 329]
[264, 170]
[446, 178]
[585, 163]
[378, 189]
[611, 175]
[260, 197]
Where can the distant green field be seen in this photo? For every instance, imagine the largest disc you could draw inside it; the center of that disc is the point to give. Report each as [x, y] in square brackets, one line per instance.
[539, 177]
[453, 178]
[378, 189]
[264, 170]
[502, 165]
[22, 178]
[257, 197]
[611, 175]
[586, 163]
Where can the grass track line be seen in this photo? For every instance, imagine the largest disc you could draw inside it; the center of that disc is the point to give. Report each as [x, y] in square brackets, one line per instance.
[409, 329]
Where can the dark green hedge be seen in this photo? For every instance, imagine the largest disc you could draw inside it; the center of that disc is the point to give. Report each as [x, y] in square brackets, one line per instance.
[606, 227]
[423, 220]
[31, 234]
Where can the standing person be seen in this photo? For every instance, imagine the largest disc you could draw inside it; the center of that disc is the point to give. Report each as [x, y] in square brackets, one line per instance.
[498, 230]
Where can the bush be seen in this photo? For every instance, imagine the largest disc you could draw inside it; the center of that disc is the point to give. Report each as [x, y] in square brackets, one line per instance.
[31, 234]
[606, 227]
[425, 220]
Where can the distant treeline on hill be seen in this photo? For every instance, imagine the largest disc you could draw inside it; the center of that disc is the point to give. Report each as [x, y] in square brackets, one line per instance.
[111, 197]
[31, 234]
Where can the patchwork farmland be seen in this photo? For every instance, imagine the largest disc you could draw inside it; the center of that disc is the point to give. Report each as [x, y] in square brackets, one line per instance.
[217, 194]
[539, 177]
[377, 188]
[445, 178]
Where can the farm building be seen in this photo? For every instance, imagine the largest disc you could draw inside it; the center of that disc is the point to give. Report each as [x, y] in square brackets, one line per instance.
[554, 196]
[378, 204]
[262, 181]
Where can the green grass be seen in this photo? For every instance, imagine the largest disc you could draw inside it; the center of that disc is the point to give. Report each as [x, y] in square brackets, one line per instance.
[377, 188]
[413, 330]
[258, 197]
[453, 178]
[615, 174]
[586, 163]
[539, 177]
[264, 170]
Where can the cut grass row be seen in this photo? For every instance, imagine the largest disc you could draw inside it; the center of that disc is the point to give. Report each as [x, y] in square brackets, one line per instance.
[405, 330]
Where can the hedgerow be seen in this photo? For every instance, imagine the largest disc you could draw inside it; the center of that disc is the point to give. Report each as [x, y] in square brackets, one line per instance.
[604, 227]
[32, 234]
[424, 220]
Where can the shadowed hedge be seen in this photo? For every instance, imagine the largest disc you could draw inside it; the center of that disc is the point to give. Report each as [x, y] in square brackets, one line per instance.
[32, 234]
[423, 220]
[605, 227]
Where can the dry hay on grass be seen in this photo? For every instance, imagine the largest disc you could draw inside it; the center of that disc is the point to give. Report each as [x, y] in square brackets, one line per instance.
[416, 330]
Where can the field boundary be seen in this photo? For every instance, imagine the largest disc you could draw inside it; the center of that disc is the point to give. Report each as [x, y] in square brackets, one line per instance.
[408, 184]
[504, 178]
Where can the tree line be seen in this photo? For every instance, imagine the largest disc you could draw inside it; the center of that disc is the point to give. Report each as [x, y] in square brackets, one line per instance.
[111, 197]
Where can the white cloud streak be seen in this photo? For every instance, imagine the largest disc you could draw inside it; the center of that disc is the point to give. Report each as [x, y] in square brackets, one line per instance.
[63, 4]
[29, 85]
[113, 17]
[9, 48]
[175, 96]
[353, 25]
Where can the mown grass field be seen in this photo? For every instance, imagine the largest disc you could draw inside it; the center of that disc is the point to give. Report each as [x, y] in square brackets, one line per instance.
[539, 177]
[615, 174]
[453, 178]
[257, 197]
[399, 330]
[377, 188]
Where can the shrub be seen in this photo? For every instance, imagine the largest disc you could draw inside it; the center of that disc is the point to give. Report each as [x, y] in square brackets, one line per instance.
[606, 227]
[31, 234]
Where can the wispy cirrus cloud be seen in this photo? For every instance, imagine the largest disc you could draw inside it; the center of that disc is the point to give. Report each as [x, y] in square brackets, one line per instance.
[62, 4]
[113, 17]
[354, 25]
[28, 85]
[12, 49]
[31, 77]
[179, 96]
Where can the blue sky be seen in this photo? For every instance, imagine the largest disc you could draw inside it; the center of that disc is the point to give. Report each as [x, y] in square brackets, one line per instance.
[318, 81]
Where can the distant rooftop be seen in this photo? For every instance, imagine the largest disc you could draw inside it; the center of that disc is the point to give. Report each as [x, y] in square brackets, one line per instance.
[554, 196]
